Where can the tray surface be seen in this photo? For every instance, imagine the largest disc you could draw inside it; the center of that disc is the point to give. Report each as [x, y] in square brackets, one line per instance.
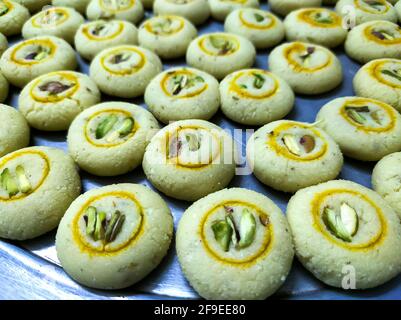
[30, 269]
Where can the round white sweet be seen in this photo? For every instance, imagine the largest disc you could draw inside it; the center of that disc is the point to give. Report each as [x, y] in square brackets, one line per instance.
[386, 180]
[34, 5]
[95, 36]
[365, 10]
[288, 155]
[380, 79]
[4, 88]
[220, 9]
[60, 22]
[124, 71]
[398, 10]
[183, 93]
[168, 36]
[79, 5]
[255, 97]
[12, 17]
[283, 7]
[14, 131]
[365, 129]
[196, 11]
[120, 258]
[261, 27]
[221, 53]
[31, 58]
[51, 101]
[368, 256]
[129, 10]
[189, 159]
[374, 40]
[110, 138]
[315, 25]
[38, 185]
[308, 68]
[254, 271]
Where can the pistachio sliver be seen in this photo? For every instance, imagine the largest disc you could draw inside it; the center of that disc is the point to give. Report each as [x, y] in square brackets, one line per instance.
[395, 75]
[114, 226]
[91, 215]
[41, 55]
[258, 17]
[99, 227]
[235, 235]
[335, 225]
[375, 115]
[291, 144]
[105, 126]
[247, 229]
[222, 233]
[349, 218]
[193, 141]
[355, 114]
[24, 184]
[258, 81]
[264, 219]
[9, 183]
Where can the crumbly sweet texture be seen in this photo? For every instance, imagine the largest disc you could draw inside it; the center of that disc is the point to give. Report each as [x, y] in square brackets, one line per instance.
[220, 65]
[364, 48]
[249, 110]
[170, 45]
[65, 30]
[326, 259]
[128, 85]
[41, 210]
[307, 80]
[63, 58]
[88, 46]
[186, 183]
[283, 7]
[367, 85]
[111, 160]
[352, 139]
[221, 9]
[101, 9]
[44, 114]
[14, 131]
[324, 34]
[386, 180]
[196, 11]
[169, 107]
[4, 88]
[290, 174]
[255, 25]
[364, 13]
[11, 23]
[34, 5]
[79, 5]
[126, 266]
[215, 279]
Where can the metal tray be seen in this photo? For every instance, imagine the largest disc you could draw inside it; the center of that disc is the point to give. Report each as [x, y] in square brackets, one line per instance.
[30, 269]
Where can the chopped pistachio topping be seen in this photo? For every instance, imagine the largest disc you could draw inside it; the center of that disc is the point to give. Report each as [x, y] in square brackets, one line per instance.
[355, 113]
[3, 9]
[193, 141]
[375, 115]
[98, 28]
[223, 45]
[320, 18]
[179, 83]
[222, 233]
[8, 183]
[105, 126]
[235, 235]
[39, 54]
[99, 226]
[258, 81]
[258, 17]
[247, 229]
[55, 87]
[393, 73]
[24, 184]
[120, 57]
[114, 226]
[91, 215]
[383, 35]
[292, 145]
[164, 26]
[344, 225]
